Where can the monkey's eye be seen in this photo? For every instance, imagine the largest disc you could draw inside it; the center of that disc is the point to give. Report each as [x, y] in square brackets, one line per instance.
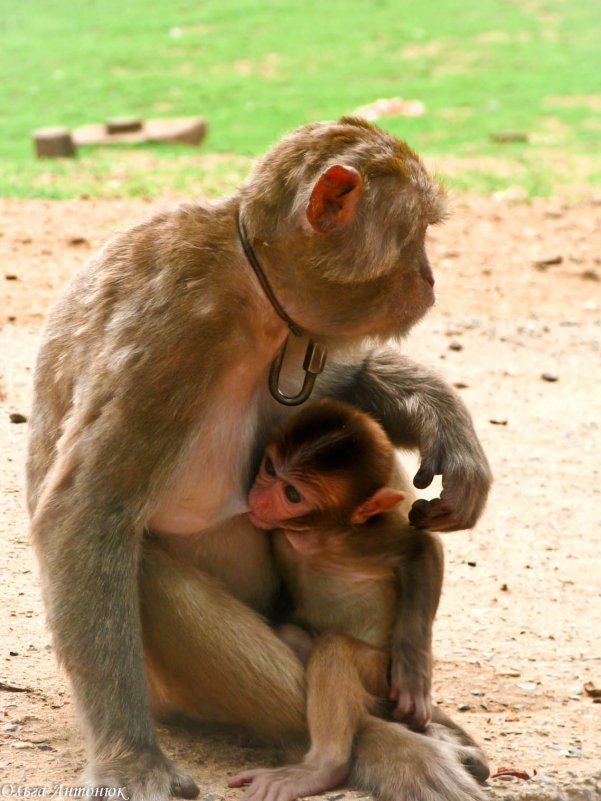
[269, 468]
[292, 494]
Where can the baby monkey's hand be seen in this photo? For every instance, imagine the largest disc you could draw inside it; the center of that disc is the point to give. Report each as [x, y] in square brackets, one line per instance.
[410, 685]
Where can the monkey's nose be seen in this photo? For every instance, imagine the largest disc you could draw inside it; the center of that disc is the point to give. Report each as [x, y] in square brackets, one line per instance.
[427, 274]
[258, 502]
[425, 269]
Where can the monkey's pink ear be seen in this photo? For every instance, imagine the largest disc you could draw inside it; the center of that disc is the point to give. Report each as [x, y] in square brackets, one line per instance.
[334, 198]
[381, 501]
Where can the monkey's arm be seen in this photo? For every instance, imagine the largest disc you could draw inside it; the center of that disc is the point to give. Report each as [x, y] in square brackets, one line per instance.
[419, 584]
[418, 410]
[87, 529]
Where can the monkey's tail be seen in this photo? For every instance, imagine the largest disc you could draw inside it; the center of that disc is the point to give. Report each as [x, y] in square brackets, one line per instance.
[394, 763]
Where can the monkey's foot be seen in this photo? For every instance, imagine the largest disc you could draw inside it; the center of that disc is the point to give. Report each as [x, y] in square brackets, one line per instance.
[394, 763]
[144, 777]
[290, 782]
[471, 755]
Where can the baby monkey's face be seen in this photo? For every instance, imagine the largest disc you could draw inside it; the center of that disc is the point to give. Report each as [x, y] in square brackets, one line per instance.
[277, 497]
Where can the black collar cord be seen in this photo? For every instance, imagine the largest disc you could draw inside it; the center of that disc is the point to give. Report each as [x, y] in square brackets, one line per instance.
[315, 355]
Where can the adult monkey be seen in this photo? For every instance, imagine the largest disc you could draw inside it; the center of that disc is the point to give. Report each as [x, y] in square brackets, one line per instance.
[152, 382]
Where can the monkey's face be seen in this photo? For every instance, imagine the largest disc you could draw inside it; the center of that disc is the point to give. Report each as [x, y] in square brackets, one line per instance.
[356, 282]
[276, 499]
[383, 307]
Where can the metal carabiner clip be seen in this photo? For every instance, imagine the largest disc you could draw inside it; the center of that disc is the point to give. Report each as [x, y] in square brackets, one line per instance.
[313, 365]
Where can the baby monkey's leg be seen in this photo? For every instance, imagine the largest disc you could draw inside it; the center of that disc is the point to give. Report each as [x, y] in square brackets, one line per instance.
[343, 676]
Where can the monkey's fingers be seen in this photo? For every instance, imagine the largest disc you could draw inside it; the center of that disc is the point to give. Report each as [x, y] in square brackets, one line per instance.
[182, 784]
[240, 779]
[432, 514]
[424, 477]
[405, 705]
[443, 514]
[466, 481]
[184, 787]
[411, 706]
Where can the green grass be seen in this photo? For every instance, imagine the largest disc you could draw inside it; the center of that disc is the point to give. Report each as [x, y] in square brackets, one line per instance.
[255, 69]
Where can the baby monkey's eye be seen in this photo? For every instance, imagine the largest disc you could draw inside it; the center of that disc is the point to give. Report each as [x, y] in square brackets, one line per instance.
[269, 468]
[292, 494]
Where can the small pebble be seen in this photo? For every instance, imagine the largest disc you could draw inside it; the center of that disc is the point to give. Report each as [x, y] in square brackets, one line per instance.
[498, 422]
[455, 345]
[10, 727]
[463, 707]
[38, 739]
[10, 277]
[543, 778]
[17, 417]
[550, 377]
[550, 261]
[573, 753]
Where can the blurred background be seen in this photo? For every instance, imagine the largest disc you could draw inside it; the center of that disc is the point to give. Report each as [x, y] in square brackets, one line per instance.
[509, 91]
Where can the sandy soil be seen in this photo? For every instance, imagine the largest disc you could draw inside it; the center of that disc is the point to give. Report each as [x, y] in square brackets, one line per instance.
[518, 634]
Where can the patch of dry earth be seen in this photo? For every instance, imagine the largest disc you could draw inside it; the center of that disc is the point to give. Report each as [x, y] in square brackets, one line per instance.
[518, 633]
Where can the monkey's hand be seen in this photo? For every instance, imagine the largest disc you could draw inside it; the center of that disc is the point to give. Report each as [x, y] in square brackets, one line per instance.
[419, 410]
[410, 686]
[466, 481]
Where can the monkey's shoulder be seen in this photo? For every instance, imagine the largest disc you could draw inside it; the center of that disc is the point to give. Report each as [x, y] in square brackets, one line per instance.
[157, 258]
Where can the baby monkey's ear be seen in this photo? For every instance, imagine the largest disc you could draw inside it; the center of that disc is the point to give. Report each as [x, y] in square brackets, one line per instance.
[381, 501]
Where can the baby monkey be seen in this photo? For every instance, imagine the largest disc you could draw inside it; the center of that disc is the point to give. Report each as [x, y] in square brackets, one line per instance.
[365, 586]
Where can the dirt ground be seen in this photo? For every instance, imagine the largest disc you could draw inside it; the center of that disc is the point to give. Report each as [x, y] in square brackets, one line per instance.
[517, 329]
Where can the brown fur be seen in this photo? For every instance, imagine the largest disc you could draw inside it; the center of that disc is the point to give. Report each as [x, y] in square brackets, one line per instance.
[151, 382]
[368, 591]
[378, 580]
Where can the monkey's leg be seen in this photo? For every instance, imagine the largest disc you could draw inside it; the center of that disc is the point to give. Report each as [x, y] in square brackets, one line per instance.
[90, 589]
[211, 657]
[472, 756]
[216, 659]
[419, 584]
[342, 666]
[339, 671]
[344, 677]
